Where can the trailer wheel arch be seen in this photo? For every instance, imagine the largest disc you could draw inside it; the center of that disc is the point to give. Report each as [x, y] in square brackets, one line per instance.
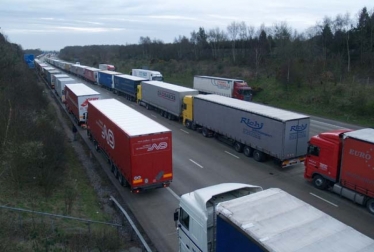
[370, 205]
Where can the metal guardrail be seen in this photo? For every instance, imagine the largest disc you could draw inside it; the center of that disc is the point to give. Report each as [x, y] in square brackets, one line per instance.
[145, 244]
[60, 216]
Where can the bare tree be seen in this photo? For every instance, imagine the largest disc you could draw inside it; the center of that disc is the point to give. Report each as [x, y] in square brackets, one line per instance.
[233, 32]
[216, 37]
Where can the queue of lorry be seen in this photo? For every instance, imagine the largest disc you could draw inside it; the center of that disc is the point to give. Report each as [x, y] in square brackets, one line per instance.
[230, 216]
[340, 160]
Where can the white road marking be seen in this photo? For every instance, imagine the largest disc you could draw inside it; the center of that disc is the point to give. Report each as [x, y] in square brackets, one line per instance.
[232, 154]
[196, 163]
[153, 115]
[324, 199]
[173, 193]
[185, 131]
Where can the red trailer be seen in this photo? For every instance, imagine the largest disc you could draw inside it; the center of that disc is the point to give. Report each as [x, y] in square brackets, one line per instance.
[90, 74]
[76, 100]
[139, 149]
[343, 160]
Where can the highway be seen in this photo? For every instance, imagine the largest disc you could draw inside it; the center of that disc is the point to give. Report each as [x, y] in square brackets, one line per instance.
[200, 162]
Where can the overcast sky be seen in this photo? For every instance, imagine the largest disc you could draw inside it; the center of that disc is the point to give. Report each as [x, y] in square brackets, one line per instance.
[52, 25]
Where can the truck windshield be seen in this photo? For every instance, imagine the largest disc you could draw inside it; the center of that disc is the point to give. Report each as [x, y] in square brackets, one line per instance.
[157, 78]
[245, 92]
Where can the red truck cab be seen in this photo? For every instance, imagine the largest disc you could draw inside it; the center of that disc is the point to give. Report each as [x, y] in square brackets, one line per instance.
[242, 91]
[323, 158]
[341, 160]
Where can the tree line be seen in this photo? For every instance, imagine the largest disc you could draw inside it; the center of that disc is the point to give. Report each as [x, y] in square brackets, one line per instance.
[331, 49]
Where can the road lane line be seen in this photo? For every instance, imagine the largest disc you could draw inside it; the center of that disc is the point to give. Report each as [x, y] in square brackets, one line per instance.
[173, 193]
[185, 131]
[153, 115]
[232, 154]
[196, 163]
[324, 199]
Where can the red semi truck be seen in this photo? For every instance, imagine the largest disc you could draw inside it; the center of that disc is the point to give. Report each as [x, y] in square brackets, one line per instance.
[76, 100]
[232, 88]
[343, 160]
[139, 149]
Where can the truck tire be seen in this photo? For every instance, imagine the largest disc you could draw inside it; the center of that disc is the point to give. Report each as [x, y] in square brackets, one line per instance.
[205, 132]
[170, 116]
[248, 151]
[121, 180]
[370, 205]
[97, 148]
[319, 182]
[238, 147]
[259, 156]
[188, 124]
[115, 173]
[147, 106]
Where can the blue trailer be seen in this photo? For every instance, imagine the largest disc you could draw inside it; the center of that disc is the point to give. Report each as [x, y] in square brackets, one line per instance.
[127, 85]
[105, 78]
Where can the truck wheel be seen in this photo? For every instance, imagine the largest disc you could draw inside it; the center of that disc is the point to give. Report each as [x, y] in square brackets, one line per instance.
[193, 126]
[188, 124]
[238, 147]
[319, 182]
[205, 132]
[248, 151]
[147, 106]
[370, 205]
[97, 148]
[170, 116]
[258, 156]
[115, 172]
[112, 168]
[121, 180]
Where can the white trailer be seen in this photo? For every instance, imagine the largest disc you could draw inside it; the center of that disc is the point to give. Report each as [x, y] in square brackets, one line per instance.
[147, 74]
[237, 217]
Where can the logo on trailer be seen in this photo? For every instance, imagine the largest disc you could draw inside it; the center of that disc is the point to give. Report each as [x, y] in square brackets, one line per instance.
[252, 124]
[108, 135]
[166, 95]
[221, 84]
[360, 154]
[160, 146]
[85, 103]
[299, 127]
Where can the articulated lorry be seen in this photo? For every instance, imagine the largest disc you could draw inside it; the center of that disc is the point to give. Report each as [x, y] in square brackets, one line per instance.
[237, 217]
[139, 149]
[76, 101]
[147, 74]
[55, 76]
[105, 78]
[343, 161]
[258, 131]
[166, 98]
[233, 88]
[127, 85]
[60, 87]
[90, 74]
[107, 67]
